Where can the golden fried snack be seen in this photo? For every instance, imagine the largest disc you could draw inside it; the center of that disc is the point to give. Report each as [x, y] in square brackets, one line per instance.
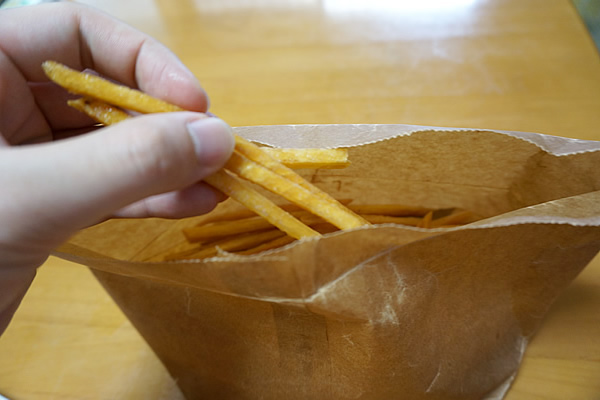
[214, 230]
[231, 226]
[456, 218]
[264, 207]
[378, 219]
[397, 210]
[300, 191]
[107, 114]
[273, 244]
[181, 251]
[331, 211]
[426, 220]
[309, 158]
[244, 213]
[98, 88]
[256, 154]
[99, 111]
[217, 229]
[222, 181]
[108, 103]
[237, 243]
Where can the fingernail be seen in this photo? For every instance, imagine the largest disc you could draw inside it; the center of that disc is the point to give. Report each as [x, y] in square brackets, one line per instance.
[213, 140]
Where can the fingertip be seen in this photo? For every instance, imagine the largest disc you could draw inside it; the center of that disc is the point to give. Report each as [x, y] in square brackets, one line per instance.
[161, 73]
[182, 88]
[213, 142]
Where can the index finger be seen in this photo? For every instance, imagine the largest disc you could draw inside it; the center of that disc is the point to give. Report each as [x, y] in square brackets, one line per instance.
[82, 37]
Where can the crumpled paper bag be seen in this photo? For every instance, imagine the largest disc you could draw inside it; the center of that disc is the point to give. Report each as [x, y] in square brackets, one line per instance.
[379, 312]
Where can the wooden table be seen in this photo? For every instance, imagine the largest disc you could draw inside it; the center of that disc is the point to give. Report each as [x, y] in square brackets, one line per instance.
[500, 64]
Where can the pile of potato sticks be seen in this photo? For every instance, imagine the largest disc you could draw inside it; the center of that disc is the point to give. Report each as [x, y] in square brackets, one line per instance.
[311, 211]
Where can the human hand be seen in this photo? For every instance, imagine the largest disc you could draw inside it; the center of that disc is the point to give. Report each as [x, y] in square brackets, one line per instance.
[147, 166]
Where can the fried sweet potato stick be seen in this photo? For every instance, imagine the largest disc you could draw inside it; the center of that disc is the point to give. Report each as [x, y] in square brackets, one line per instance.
[241, 242]
[255, 153]
[228, 185]
[331, 211]
[377, 219]
[395, 210]
[213, 230]
[456, 218]
[179, 252]
[245, 213]
[218, 229]
[101, 89]
[426, 220]
[107, 114]
[309, 158]
[273, 244]
[99, 111]
[264, 207]
[98, 88]
[242, 214]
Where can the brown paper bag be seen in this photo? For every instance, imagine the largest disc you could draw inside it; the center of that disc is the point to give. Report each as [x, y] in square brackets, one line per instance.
[381, 312]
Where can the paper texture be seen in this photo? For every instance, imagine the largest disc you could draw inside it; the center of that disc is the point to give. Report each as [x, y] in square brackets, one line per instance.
[378, 312]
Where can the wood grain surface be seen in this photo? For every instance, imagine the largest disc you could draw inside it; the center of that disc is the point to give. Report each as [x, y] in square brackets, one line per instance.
[499, 64]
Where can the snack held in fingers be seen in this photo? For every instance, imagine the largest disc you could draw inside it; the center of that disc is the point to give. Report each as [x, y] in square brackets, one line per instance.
[95, 87]
[109, 103]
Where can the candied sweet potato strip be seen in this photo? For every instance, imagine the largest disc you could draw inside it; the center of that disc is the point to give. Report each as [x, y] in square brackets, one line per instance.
[333, 212]
[309, 158]
[95, 87]
[397, 210]
[99, 111]
[240, 242]
[456, 218]
[264, 207]
[255, 153]
[426, 220]
[273, 244]
[377, 219]
[217, 229]
[284, 180]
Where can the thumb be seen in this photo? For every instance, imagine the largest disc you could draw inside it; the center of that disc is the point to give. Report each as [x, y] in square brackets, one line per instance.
[77, 182]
